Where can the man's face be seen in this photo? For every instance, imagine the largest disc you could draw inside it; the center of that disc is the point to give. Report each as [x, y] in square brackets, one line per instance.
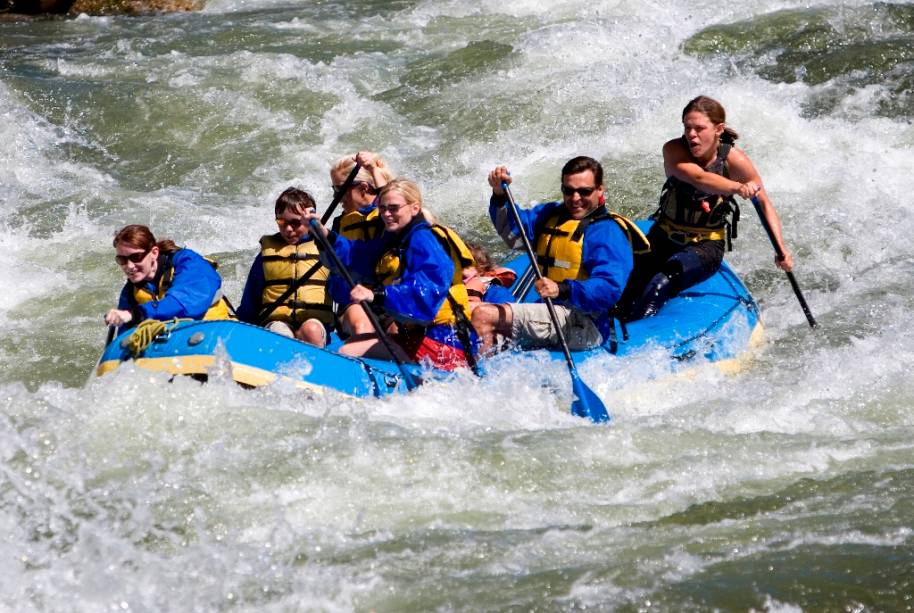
[581, 194]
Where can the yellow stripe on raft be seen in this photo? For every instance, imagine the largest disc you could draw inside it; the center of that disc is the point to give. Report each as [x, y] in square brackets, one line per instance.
[200, 365]
[734, 366]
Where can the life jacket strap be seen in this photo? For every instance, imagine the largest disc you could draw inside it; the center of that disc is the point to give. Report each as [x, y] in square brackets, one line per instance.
[308, 306]
[288, 281]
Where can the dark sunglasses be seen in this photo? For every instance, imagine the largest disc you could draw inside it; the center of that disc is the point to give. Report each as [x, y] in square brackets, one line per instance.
[295, 224]
[338, 189]
[583, 191]
[389, 208]
[136, 257]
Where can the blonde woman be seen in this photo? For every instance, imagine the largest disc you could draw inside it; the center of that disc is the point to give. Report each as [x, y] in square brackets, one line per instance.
[412, 272]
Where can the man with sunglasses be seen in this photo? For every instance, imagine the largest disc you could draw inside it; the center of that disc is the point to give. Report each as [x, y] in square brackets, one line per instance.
[585, 255]
[286, 289]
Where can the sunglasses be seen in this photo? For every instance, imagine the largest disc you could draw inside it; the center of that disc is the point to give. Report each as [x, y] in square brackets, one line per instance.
[338, 190]
[583, 191]
[136, 257]
[295, 224]
[389, 208]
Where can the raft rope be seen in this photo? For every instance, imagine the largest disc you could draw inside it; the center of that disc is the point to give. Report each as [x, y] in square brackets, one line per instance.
[146, 332]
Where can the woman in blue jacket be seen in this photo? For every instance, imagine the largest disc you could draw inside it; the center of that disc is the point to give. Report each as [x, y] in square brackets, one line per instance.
[413, 272]
[164, 281]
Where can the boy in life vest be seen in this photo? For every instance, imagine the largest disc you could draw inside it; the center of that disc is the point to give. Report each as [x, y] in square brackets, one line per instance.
[697, 215]
[583, 252]
[286, 289]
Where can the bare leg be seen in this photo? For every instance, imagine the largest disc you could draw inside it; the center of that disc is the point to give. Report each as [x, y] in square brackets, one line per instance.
[355, 322]
[312, 331]
[489, 320]
[368, 345]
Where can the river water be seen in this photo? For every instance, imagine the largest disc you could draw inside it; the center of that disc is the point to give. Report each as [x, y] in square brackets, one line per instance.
[788, 486]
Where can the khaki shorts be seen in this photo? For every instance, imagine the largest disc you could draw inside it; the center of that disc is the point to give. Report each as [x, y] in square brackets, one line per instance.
[532, 327]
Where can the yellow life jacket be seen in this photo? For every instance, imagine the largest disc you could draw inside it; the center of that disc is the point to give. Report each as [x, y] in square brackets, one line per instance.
[560, 242]
[219, 309]
[282, 265]
[390, 267]
[688, 215]
[358, 226]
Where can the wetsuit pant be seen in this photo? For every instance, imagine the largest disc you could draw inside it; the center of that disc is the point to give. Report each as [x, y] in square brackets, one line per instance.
[670, 268]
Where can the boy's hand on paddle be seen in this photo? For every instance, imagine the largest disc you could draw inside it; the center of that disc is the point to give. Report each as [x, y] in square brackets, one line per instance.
[785, 264]
[310, 214]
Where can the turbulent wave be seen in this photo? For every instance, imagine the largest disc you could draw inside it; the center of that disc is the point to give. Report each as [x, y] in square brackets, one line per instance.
[783, 487]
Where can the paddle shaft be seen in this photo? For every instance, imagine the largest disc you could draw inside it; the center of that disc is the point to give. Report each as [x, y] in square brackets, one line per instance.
[780, 253]
[112, 330]
[524, 283]
[344, 189]
[539, 275]
[266, 311]
[372, 316]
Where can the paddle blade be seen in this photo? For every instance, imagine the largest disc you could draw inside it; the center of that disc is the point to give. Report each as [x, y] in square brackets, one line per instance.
[587, 403]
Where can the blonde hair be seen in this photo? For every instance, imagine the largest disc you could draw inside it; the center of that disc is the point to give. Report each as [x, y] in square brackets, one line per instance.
[406, 188]
[344, 165]
[410, 192]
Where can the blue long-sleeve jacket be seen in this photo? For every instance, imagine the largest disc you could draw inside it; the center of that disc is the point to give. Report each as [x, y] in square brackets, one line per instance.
[190, 295]
[606, 257]
[417, 295]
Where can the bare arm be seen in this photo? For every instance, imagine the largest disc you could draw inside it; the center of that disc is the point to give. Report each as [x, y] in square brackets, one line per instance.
[679, 163]
[373, 164]
[742, 169]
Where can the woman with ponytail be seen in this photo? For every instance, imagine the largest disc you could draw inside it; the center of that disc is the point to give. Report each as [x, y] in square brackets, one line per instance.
[164, 281]
[697, 216]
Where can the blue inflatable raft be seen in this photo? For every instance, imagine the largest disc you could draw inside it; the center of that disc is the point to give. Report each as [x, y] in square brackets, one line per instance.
[715, 321]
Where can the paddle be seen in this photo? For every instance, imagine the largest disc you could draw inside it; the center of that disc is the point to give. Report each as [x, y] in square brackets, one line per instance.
[523, 284]
[587, 403]
[780, 254]
[266, 311]
[327, 248]
[109, 336]
[341, 193]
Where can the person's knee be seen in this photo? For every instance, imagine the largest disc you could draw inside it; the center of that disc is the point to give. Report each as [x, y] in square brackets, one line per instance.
[659, 289]
[356, 320]
[483, 318]
[313, 332]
